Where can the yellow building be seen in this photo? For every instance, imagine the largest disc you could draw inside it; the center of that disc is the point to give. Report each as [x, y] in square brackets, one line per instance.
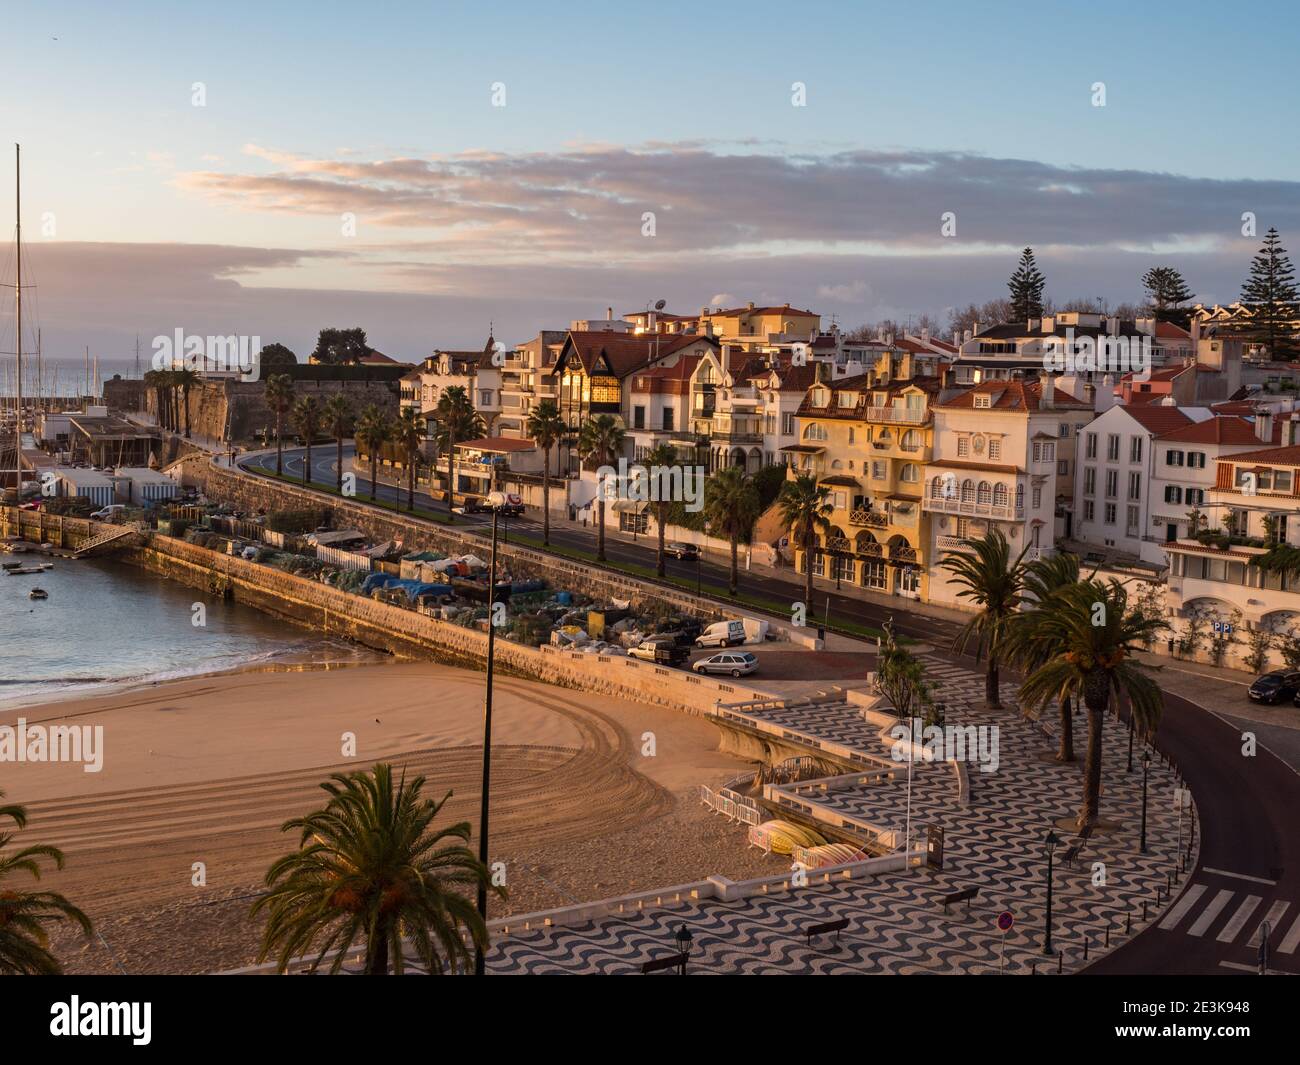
[751, 327]
[867, 440]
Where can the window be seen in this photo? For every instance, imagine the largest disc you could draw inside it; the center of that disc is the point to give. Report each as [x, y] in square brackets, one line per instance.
[815, 432]
[850, 434]
[1110, 514]
[1112, 447]
[984, 494]
[1000, 495]
[995, 450]
[1089, 510]
[1063, 467]
[848, 399]
[1173, 458]
[638, 417]
[1194, 496]
[875, 574]
[910, 473]
[982, 400]
[1090, 446]
[1174, 494]
[1089, 480]
[878, 471]
[963, 446]
[1044, 452]
[1037, 498]
[968, 491]
[1112, 483]
[1131, 521]
[668, 420]
[787, 423]
[1196, 460]
[1135, 449]
[1135, 486]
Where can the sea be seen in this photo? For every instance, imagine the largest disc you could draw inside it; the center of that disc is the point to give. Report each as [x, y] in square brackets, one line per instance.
[107, 624]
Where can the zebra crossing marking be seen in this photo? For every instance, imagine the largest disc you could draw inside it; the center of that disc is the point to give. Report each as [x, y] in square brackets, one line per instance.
[1210, 913]
[1292, 940]
[1180, 908]
[1238, 920]
[1273, 919]
[1240, 876]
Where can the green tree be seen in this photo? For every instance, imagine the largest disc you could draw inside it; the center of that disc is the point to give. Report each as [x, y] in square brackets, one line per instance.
[1097, 638]
[991, 582]
[731, 507]
[1270, 297]
[276, 357]
[1166, 291]
[337, 417]
[546, 429]
[600, 443]
[1026, 287]
[25, 916]
[661, 459]
[457, 421]
[806, 508]
[185, 380]
[338, 347]
[306, 416]
[279, 397]
[409, 432]
[1027, 648]
[374, 430]
[370, 866]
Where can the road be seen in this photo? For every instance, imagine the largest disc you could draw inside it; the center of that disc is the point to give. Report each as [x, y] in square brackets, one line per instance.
[1248, 868]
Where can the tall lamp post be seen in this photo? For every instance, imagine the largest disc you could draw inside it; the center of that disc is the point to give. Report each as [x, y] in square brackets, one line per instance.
[487, 739]
[684, 942]
[1146, 766]
[1051, 841]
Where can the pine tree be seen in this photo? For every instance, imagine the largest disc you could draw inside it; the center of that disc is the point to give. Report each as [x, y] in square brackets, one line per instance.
[1166, 289]
[1270, 296]
[1026, 287]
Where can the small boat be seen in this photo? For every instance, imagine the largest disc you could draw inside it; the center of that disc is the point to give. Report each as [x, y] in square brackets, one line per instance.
[38, 593]
[10, 565]
[24, 571]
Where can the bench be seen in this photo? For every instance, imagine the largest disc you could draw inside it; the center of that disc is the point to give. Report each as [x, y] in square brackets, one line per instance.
[658, 965]
[825, 928]
[965, 895]
[1076, 846]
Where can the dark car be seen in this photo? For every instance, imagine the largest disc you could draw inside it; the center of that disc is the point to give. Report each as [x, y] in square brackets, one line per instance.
[685, 552]
[1275, 687]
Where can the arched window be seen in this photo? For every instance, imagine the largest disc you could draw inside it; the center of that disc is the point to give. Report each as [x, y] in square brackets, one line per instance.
[936, 488]
[911, 440]
[968, 491]
[985, 492]
[1000, 494]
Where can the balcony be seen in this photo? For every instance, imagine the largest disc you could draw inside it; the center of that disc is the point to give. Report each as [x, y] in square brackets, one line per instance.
[896, 415]
[952, 543]
[902, 553]
[736, 436]
[871, 519]
[971, 509]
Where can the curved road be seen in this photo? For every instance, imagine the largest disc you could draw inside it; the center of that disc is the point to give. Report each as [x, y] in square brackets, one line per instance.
[1248, 867]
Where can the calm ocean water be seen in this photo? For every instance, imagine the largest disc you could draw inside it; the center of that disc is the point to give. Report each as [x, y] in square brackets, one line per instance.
[107, 623]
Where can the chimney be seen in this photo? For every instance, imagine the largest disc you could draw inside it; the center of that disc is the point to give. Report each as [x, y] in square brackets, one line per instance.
[704, 311]
[726, 359]
[976, 328]
[966, 337]
[1034, 323]
[609, 314]
[925, 335]
[1264, 426]
[1047, 398]
[1090, 394]
[749, 305]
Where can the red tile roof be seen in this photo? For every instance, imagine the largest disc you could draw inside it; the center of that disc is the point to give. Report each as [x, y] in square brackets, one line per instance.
[626, 352]
[1219, 430]
[1269, 456]
[1016, 394]
[1155, 418]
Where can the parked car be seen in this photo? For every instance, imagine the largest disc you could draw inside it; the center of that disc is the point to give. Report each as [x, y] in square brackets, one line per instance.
[686, 552]
[722, 634]
[737, 663]
[471, 505]
[661, 652]
[109, 513]
[1275, 687]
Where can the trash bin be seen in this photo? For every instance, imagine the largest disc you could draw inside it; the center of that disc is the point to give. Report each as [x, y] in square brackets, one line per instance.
[821, 632]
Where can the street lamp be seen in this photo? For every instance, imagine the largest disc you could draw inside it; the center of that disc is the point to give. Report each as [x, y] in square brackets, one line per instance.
[1130, 740]
[487, 740]
[684, 942]
[1051, 841]
[1146, 766]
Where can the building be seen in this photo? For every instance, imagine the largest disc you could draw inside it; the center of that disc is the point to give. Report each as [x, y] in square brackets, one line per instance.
[477, 372]
[142, 487]
[485, 464]
[527, 380]
[91, 485]
[995, 466]
[750, 327]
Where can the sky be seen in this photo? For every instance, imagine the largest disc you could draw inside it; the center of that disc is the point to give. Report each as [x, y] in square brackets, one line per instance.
[425, 170]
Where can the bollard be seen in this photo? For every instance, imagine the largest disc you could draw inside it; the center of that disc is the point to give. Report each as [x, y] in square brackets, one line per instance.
[1085, 946]
[1107, 933]
[1128, 922]
[1144, 911]
[1169, 886]
[1060, 963]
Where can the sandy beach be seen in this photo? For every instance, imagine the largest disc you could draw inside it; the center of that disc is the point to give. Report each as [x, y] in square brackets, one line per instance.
[206, 770]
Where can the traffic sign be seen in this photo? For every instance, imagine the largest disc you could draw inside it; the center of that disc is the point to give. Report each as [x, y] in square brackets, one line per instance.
[1006, 920]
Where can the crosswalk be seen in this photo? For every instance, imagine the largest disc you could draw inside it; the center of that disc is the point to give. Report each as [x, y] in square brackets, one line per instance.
[1205, 910]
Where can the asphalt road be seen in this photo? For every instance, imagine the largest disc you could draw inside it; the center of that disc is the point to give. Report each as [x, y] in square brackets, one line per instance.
[1250, 847]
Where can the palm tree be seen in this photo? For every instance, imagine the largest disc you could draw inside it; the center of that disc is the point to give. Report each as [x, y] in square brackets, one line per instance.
[279, 397]
[992, 583]
[24, 915]
[338, 421]
[731, 507]
[186, 379]
[370, 866]
[153, 380]
[1097, 637]
[546, 429]
[1044, 577]
[408, 431]
[660, 459]
[306, 416]
[600, 443]
[373, 431]
[457, 421]
[805, 510]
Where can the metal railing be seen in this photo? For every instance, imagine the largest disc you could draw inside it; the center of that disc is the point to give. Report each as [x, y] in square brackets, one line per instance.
[945, 505]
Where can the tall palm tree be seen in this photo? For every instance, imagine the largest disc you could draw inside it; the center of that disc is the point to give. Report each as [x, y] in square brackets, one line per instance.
[408, 431]
[457, 421]
[731, 507]
[1025, 647]
[374, 430]
[279, 397]
[600, 443]
[659, 460]
[1097, 637]
[25, 915]
[337, 418]
[186, 379]
[369, 865]
[991, 581]
[306, 416]
[546, 429]
[806, 508]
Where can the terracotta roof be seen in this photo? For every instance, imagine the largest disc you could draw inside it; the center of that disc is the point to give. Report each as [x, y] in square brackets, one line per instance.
[681, 369]
[1155, 418]
[967, 464]
[626, 352]
[497, 443]
[1222, 430]
[1168, 373]
[1269, 456]
[1170, 331]
[783, 309]
[1016, 394]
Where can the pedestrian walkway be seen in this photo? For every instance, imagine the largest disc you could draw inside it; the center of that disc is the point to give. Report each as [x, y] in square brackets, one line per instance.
[1233, 909]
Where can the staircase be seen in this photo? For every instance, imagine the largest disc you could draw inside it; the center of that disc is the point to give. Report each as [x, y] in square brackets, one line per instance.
[117, 535]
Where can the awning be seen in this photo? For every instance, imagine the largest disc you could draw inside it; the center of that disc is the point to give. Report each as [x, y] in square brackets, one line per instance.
[841, 481]
[803, 449]
[629, 506]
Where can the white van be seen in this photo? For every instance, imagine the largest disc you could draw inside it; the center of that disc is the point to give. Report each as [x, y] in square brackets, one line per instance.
[722, 634]
[109, 513]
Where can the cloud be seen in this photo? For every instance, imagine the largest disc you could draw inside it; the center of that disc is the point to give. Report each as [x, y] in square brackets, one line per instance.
[852, 292]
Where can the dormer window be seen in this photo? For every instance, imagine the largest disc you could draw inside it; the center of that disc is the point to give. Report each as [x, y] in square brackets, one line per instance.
[848, 399]
[820, 397]
[983, 400]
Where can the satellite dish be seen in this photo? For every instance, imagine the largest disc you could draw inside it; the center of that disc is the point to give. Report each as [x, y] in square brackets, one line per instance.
[661, 305]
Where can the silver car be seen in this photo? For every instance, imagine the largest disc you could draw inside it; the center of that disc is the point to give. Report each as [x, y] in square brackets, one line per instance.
[737, 663]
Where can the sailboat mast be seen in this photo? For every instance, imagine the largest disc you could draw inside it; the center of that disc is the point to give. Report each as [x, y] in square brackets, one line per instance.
[18, 297]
